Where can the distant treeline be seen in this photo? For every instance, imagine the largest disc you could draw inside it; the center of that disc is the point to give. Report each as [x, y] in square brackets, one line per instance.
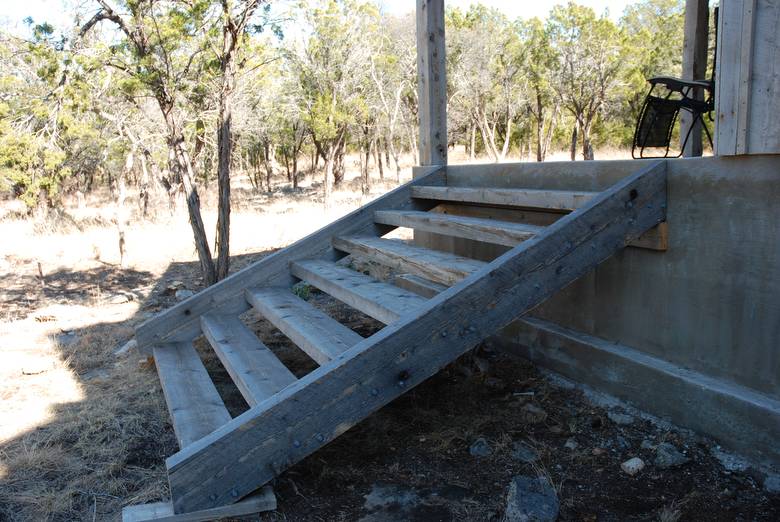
[320, 80]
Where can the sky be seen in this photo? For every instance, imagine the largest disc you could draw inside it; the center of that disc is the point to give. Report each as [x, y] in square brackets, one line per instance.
[59, 12]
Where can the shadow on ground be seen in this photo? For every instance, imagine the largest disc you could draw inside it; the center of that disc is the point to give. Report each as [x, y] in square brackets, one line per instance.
[447, 450]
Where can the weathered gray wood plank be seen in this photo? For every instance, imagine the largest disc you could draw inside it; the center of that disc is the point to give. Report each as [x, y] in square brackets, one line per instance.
[524, 198]
[437, 266]
[254, 368]
[194, 404]
[418, 285]
[487, 230]
[432, 82]
[382, 301]
[312, 330]
[261, 443]
[182, 322]
[263, 500]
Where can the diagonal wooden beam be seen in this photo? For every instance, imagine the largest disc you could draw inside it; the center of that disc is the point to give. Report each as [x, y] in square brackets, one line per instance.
[255, 447]
[181, 323]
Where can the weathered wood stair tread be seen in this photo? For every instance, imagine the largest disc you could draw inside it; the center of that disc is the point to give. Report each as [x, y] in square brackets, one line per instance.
[525, 198]
[255, 370]
[382, 301]
[487, 230]
[313, 331]
[437, 266]
[194, 404]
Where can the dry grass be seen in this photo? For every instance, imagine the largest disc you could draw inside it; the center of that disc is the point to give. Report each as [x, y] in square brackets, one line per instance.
[83, 432]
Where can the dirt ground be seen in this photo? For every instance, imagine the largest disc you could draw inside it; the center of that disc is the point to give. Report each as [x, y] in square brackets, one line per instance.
[84, 431]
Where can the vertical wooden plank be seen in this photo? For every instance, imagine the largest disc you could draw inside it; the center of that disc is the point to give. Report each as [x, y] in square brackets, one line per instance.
[432, 82]
[694, 67]
[727, 77]
[745, 76]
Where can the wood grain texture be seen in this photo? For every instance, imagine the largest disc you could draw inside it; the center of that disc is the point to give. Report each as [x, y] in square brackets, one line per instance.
[432, 82]
[254, 368]
[263, 500]
[382, 301]
[418, 285]
[312, 330]
[194, 404]
[562, 200]
[487, 230]
[260, 444]
[437, 266]
[182, 322]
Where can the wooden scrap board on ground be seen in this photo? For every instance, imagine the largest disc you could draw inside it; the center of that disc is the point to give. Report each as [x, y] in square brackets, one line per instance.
[264, 500]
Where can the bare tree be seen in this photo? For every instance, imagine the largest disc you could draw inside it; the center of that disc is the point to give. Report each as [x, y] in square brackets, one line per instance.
[161, 60]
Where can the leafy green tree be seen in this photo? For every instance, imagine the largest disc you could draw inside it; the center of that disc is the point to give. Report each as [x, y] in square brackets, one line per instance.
[163, 51]
[654, 37]
[331, 69]
[589, 52]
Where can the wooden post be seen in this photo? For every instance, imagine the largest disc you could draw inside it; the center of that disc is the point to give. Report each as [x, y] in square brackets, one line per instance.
[694, 66]
[432, 83]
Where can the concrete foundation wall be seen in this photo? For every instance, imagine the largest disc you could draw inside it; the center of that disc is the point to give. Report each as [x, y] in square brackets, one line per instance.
[710, 304]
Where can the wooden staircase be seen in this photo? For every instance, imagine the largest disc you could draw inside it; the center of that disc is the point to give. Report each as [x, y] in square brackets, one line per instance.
[223, 460]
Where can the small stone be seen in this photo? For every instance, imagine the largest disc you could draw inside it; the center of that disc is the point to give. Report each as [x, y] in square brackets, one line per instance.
[647, 445]
[534, 414]
[667, 456]
[598, 451]
[480, 448]
[571, 444]
[118, 299]
[125, 348]
[531, 499]
[622, 442]
[772, 483]
[524, 453]
[633, 466]
[620, 419]
[183, 294]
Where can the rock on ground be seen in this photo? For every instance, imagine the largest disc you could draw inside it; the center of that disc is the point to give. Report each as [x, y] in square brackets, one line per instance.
[183, 294]
[524, 453]
[480, 448]
[531, 499]
[620, 419]
[633, 466]
[667, 456]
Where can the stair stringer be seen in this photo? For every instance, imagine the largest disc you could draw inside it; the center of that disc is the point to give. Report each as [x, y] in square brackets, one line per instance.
[181, 323]
[258, 445]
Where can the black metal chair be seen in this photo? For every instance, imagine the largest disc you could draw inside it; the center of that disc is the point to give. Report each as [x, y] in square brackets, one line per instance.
[659, 113]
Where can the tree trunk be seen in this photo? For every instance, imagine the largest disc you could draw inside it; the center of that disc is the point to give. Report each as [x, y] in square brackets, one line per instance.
[573, 150]
[144, 186]
[366, 157]
[539, 127]
[182, 169]
[550, 129]
[267, 162]
[378, 158]
[587, 148]
[121, 215]
[507, 138]
[326, 187]
[225, 149]
[295, 171]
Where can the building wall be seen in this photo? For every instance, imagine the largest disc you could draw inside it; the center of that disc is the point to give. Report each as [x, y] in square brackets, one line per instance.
[709, 305]
[747, 90]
